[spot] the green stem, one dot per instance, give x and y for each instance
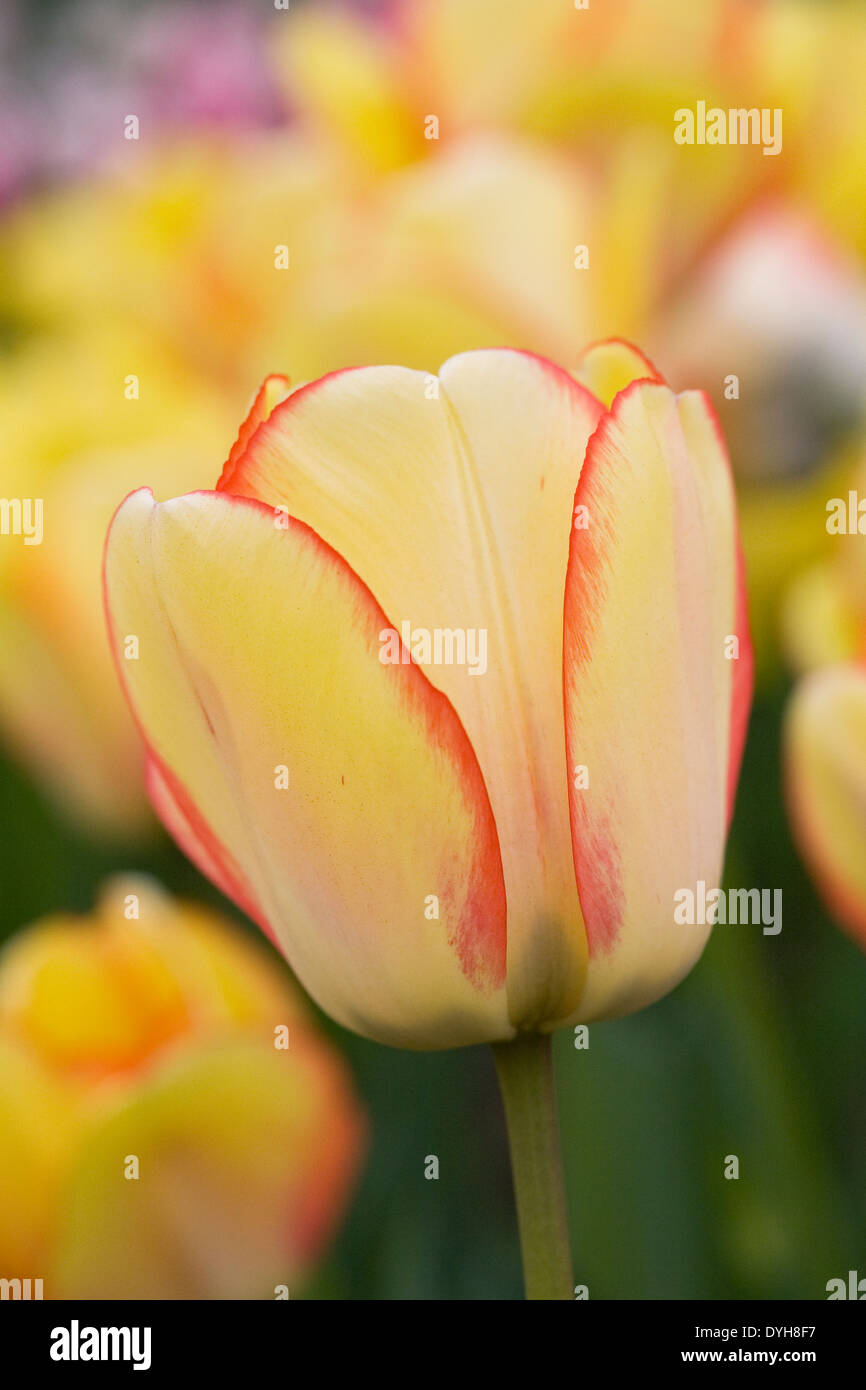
(525, 1070)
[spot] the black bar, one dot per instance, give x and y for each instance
(243, 1338)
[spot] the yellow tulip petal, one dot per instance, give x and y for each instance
(152, 1030)
(480, 63)
(440, 219)
(819, 626)
(38, 1129)
(244, 1162)
(825, 744)
(259, 667)
(655, 712)
(451, 497)
(96, 996)
(273, 390)
(607, 368)
(346, 78)
(224, 977)
(66, 994)
(60, 709)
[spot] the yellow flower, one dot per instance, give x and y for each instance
(353, 657)
(74, 429)
(589, 77)
(775, 322)
(824, 610)
(157, 1139)
(825, 745)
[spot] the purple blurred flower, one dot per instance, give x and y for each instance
(71, 78)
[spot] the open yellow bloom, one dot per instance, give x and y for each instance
(450, 849)
(171, 1124)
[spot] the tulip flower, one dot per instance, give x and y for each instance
(59, 709)
(787, 359)
(823, 618)
(448, 854)
(825, 757)
(590, 77)
(171, 1124)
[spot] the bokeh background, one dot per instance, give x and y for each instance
(309, 128)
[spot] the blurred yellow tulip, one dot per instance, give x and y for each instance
(825, 745)
(79, 413)
(589, 77)
(823, 616)
(171, 1123)
(774, 322)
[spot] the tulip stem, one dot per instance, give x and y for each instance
(525, 1070)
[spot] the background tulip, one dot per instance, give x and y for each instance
(57, 700)
(146, 1035)
(823, 618)
(786, 371)
(826, 754)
